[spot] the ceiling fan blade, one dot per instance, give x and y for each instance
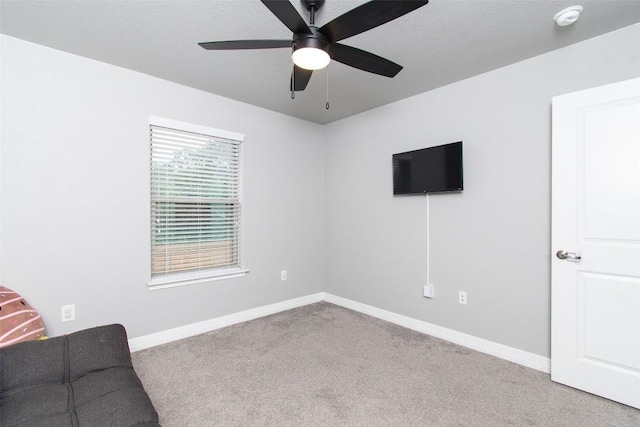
(246, 44)
(288, 15)
(300, 77)
(368, 16)
(363, 60)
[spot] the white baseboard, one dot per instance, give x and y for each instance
(511, 354)
(163, 337)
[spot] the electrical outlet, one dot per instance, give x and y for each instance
(283, 275)
(462, 297)
(68, 313)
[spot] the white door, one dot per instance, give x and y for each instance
(595, 301)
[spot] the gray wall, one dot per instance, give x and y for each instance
(75, 194)
(493, 239)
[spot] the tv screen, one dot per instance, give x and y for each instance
(429, 170)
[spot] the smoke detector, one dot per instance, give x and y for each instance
(567, 16)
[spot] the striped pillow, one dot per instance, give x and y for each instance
(18, 320)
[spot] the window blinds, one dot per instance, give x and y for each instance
(195, 202)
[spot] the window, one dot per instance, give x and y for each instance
(195, 203)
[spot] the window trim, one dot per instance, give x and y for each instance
(190, 127)
(194, 277)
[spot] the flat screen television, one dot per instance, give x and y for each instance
(429, 170)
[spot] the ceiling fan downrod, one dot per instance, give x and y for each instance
(312, 6)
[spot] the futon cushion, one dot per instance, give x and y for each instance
(82, 379)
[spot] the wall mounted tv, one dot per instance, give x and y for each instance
(429, 170)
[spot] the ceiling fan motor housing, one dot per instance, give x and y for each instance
(316, 40)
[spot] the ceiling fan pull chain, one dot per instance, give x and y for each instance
(327, 104)
(293, 83)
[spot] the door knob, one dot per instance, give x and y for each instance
(568, 256)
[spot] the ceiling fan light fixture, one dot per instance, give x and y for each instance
(310, 58)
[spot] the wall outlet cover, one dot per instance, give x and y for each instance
(68, 313)
(428, 291)
(462, 297)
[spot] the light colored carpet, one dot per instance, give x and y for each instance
(323, 365)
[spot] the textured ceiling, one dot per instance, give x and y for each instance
(440, 43)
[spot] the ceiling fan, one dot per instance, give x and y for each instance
(314, 47)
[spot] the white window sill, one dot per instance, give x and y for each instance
(193, 278)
